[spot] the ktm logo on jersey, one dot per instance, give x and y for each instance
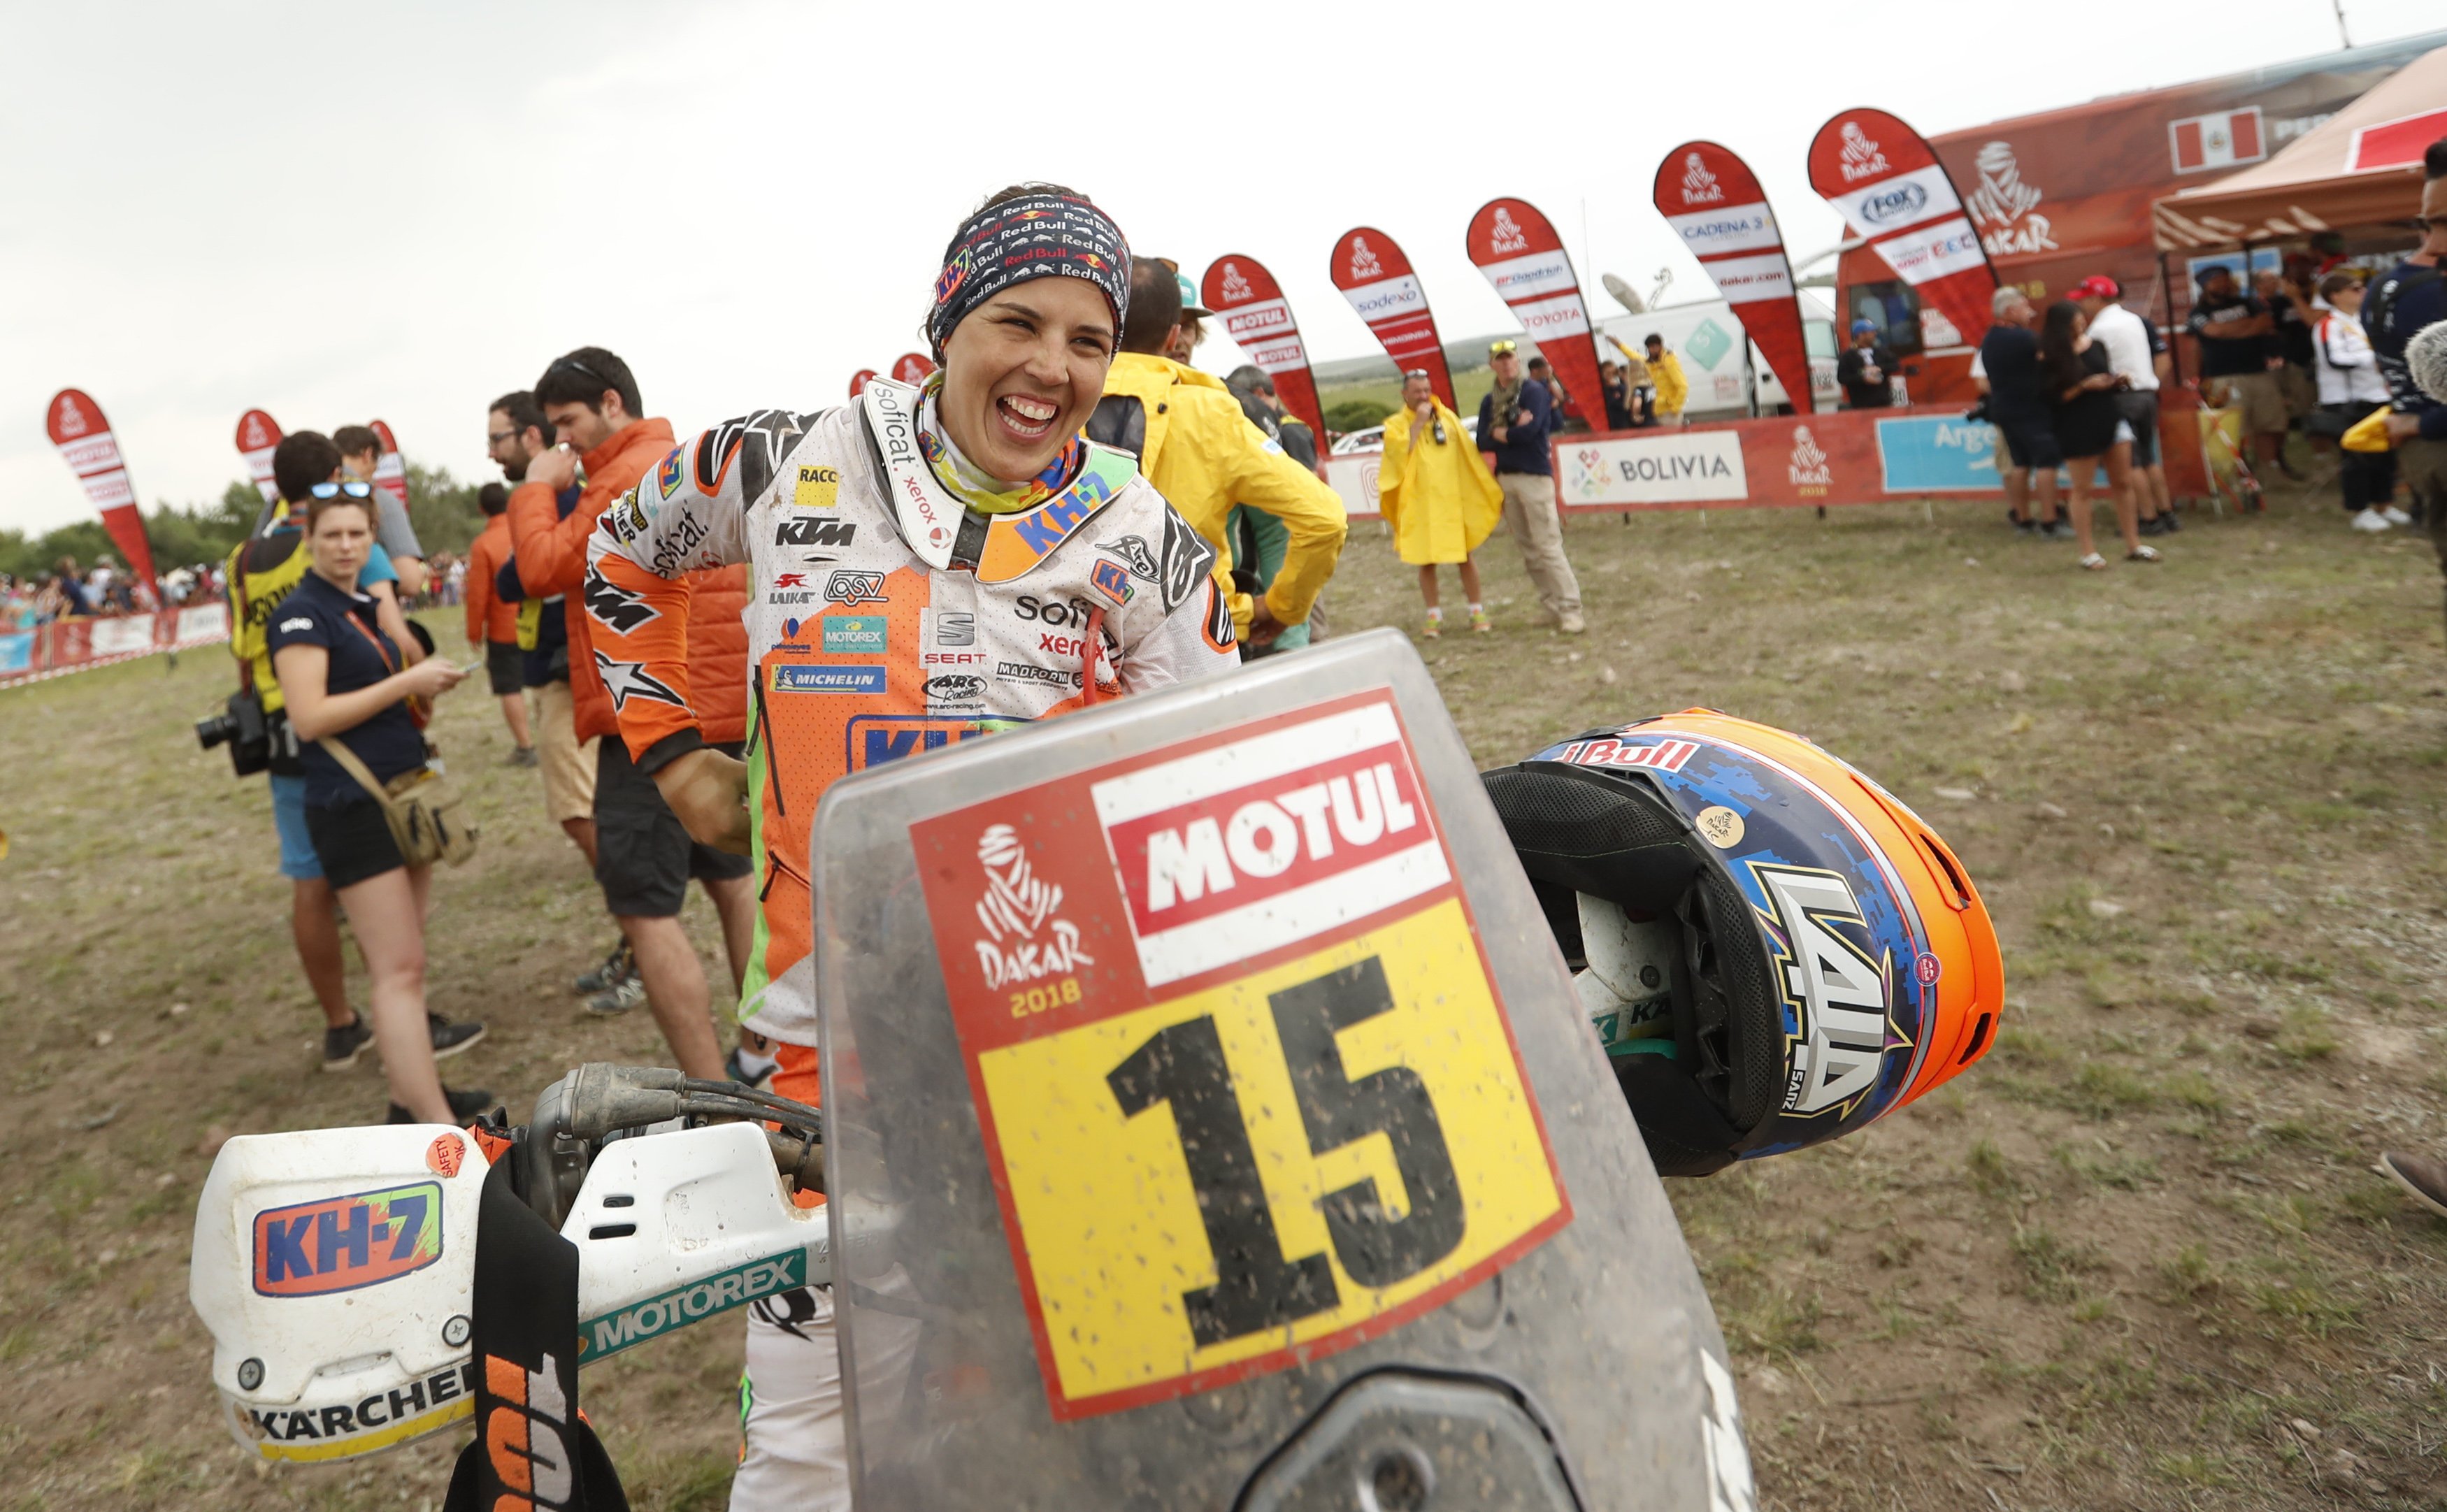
(802, 532)
(875, 739)
(616, 608)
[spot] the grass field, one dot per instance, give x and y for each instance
(2136, 1259)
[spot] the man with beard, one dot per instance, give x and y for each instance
(1514, 422)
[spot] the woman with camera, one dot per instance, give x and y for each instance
(342, 680)
(2090, 429)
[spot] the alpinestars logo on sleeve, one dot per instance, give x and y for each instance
(627, 680)
(1186, 559)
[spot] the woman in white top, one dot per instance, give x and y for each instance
(2351, 388)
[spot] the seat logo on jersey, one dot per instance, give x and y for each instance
(340, 1244)
(869, 681)
(951, 627)
(1840, 996)
(854, 588)
(616, 608)
(815, 532)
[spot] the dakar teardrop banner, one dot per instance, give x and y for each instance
(1375, 276)
(1515, 246)
(390, 468)
(858, 381)
(85, 440)
(259, 436)
(1713, 202)
(1884, 178)
(1260, 322)
(911, 367)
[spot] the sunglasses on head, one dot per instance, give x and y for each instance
(353, 488)
(1504, 349)
(1414, 372)
(576, 366)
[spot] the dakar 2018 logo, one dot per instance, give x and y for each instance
(1027, 940)
(1507, 235)
(2005, 208)
(1699, 187)
(1860, 157)
(1808, 470)
(1364, 266)
(1236, 288)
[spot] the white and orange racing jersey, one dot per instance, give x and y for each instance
(885, 617)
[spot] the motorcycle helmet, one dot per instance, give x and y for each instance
(1775, 949)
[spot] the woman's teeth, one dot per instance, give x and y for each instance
(1030, 417)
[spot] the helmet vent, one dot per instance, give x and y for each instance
(1958, 887)
(1979, 1041)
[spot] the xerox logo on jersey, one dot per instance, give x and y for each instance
(1239, 849)
(1657, 755)
(869, 681)
(340, 1244)
(800, 532)
(616, 608)
(854, 588)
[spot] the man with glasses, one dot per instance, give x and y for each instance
(643, 857)
(2409, 298)
(1515, 421)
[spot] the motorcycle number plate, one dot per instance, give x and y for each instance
(1246, 1084)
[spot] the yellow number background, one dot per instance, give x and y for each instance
(1105, 1206)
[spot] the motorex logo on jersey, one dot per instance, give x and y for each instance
(341, 1243)
(858, 632)
(657, 1315)
(863, 680)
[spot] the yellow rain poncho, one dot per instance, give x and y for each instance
(1437, 495)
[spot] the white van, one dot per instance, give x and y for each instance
(1708, 338)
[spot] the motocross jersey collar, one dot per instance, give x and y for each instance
(940, 530)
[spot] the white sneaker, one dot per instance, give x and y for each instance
(2370, 519)
(2395, 516)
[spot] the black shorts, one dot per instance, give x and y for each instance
(2139, 408)
(352, 840)
(2031, 442)
(643, 856)
(506, 665)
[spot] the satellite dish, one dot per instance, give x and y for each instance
(1623, 294)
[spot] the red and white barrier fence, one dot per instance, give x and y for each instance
(66, 646)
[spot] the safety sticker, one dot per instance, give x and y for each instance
(1246, 1080)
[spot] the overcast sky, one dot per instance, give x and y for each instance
(338, 212)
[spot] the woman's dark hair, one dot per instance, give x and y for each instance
(303, 459)
(492, 499)
(2057, 358)
(317, 509)
(580, 377)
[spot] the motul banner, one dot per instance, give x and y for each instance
(390, 468)
(85, 440)
(911, 367)
(64, 646)
(1714, 204)
(1375, 276)
(859, 379)
(259, 436)
(1260, 322)
(1516, 247)
(1884, 178)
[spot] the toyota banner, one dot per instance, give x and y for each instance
(1516, 247)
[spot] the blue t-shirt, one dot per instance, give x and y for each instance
(1523, 447)
(317, 613)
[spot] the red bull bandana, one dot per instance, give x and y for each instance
(1029, 238)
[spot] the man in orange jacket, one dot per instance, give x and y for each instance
(493, 621)
(643, 857)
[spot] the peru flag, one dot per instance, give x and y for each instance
(2225, 139)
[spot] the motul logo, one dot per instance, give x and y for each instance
(527, 1437)
(1699, 187)
(1234, 851)
(1364, 265)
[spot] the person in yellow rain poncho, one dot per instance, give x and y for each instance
(1433, 489)
(1202, 454)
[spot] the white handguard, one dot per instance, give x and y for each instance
(335, 1268)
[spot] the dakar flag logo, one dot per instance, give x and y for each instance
(1808, 469)
(71, 418)
(2005, 208)
(1861, 157)
(1509, 236)
(1699, 187)
(1364, 260)
(1236, 288)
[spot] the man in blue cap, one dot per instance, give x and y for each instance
(1864, 368)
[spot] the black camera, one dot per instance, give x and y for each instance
(244, 728)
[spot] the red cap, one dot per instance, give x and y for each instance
(2093, 287)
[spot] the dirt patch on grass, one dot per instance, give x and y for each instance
(2136, 1259)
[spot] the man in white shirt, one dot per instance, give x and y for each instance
(2141, 361)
